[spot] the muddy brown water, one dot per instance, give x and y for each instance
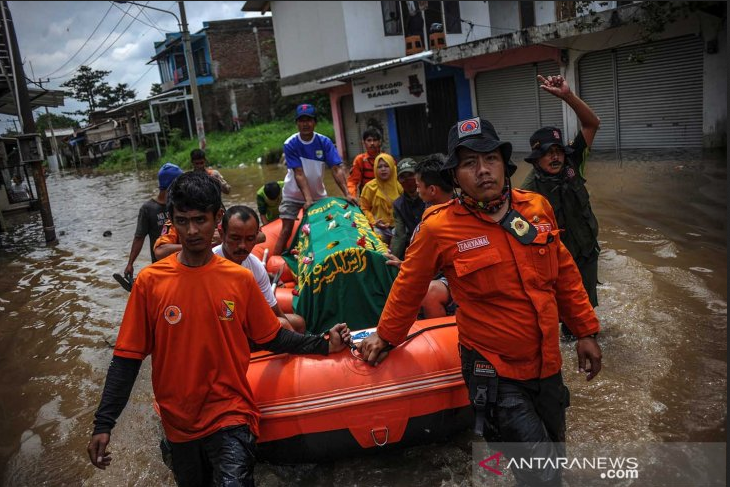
(663, 308)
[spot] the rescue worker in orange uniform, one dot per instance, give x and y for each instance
(513, 278)
(194, 313)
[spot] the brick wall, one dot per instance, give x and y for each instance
(239, 52)
(242, 70)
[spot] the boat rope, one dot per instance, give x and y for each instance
(353, 348)
(413, 335)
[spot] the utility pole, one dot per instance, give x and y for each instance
(54, 142)
(197, 110)
(34, 149)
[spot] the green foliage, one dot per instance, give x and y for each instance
(285, 107)
(89, 86)
(85, 86)
(116, 96)
(122, 160)
(155, 89)
(59, 121)
(224, 149)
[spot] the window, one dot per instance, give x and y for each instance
(433, 15)
(527, 15)
(392, 25)
(452, 17)
(201, 66)
(564, 10)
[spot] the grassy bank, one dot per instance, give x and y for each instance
(224, 149)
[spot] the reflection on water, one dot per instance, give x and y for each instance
(663, 306)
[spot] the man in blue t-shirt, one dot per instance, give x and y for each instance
(306, 153)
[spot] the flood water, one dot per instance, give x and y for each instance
(663, 308)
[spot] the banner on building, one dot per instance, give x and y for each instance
(395, 87)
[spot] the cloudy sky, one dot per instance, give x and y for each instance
(55, 38)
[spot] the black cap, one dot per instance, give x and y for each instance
(478, 135)
(544, 139)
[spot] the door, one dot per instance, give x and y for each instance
(424, 129)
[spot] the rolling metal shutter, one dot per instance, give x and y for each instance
(512, 100)
(660, 99)
(653, 104)
(596, 76)
(551, 108)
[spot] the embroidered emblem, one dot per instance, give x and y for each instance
(520, 226)
(319, 153)
(173, 315)
(227, 308)
(544, 227)
(469, 127)
(570, 172)
(556, 134)
(472, 243)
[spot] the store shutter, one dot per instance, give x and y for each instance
(551, 108)
(660, 98)
(596, 80)
(510, 98)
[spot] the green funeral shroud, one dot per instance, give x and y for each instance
(339, 281)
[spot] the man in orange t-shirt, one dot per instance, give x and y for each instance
(363, 165)
(194, 313)
(513, 278)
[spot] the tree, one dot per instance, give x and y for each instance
(114, 97)
(155, 89)
(59, 121)
(86, 86)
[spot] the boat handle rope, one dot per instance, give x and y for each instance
(353, 349)
(372, 433)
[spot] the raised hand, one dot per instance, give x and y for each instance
(555, 85)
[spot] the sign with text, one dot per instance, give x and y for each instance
(150, 128)
(404, 85)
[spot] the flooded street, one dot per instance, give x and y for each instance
(663, 309)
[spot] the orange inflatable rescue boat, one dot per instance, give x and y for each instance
(316, 408)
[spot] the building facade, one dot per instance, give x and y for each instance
(236, 72)
(482, 58)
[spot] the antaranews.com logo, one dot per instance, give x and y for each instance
(617, 468)
(600, 464)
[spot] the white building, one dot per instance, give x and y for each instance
(670, 93)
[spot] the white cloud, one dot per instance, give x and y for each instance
(49, 33)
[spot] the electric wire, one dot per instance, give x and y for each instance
(82, 46)
(64, 75)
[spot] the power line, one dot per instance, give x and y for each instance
(153, 22)
(135, 18)
(145, 74)
(83, 45)
(84, 62)
(118, 37)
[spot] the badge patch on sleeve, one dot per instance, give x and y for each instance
(483, 368)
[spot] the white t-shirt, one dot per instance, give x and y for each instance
(258, 270)
(312, 157)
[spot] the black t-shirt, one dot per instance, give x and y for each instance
(150, 220)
